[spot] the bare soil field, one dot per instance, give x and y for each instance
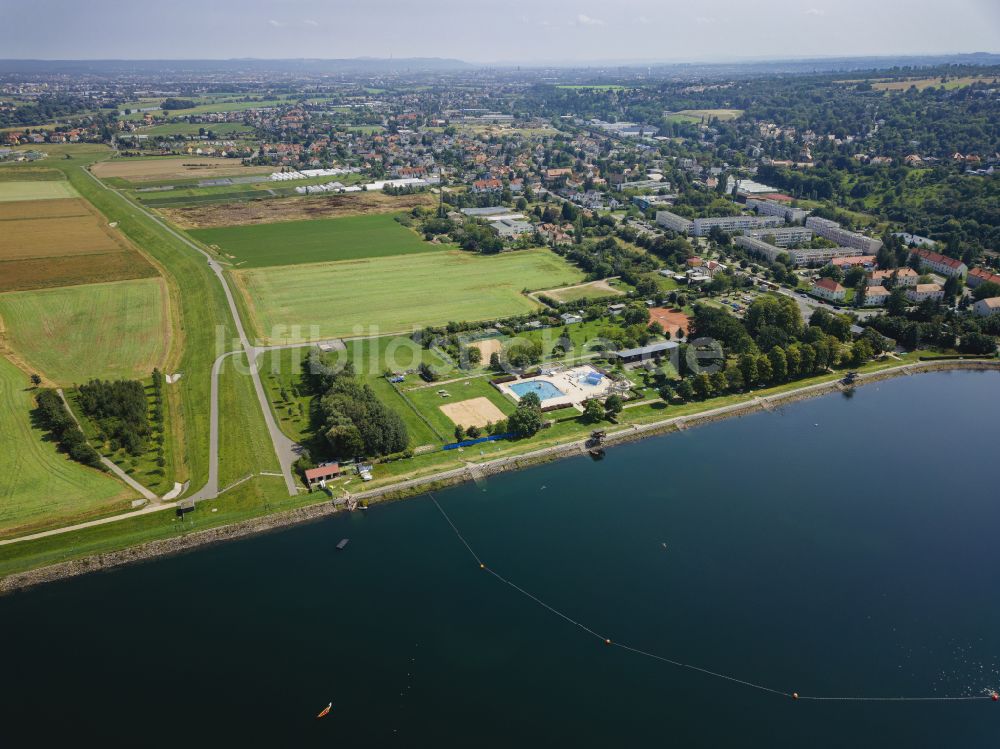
(44, 233)
(59, 208)
(54, 237)
(45, 243)
(475, 412)
(487, 347)
(165, 169)
(266, 211)
(44, 273)
(672, 320)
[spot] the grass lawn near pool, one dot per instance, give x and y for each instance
(296, 303)
(39, 189)
(76, 333)
(314, 241)
(40, 487)
(429, 402)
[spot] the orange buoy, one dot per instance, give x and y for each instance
(795, 695)
(995, 696)
(482, 566)
(607, 642)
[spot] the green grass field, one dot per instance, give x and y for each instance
(194, 288)
(74, 333)
(315, 241)
(244, 444)
(40, 487)
(281, 372)
(39, 189)
(394, 294)
(429, 403)
(697, 115)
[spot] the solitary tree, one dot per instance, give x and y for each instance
(36, 380)
(613, 405)
(592, 412)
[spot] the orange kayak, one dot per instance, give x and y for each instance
(325, 711)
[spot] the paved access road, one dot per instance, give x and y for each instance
(286, 450)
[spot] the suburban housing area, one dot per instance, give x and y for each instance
(226, 293)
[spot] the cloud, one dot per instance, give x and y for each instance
(704, 20)
(276, 24)
(582, 20)
(310, 22)
(815, 12)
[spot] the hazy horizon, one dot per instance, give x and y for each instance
(551, 32)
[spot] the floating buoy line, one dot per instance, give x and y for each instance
(991, 695)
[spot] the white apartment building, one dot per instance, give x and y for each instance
(946, 266)
(987, 307)
(702, 226)
(876, 296)
(672, 221)
(836, 233)
(782, 236)
(774, 208)
(829, 289)
(923, 291)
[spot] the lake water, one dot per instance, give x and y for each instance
(839, 546)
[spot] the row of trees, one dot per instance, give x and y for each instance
(53, 416)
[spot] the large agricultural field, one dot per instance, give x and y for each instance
(290, 209)
(398, 293)
(173, 168)
(40, 487)
(72, 334)
(61, 241)
(39, 189)
(316, 241)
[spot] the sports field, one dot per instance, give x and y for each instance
(72, 334)
(39, 486)
(469, 402)
(41, 189)
(323, 240)
(171, 168)
(397, 293)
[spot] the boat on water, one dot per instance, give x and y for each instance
(325, 711)
(343, 543)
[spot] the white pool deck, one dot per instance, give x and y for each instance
(570, 382)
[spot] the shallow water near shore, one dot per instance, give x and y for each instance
(837, 546)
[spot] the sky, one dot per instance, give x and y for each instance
(515, 31)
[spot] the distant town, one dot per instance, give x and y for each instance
(229, 292)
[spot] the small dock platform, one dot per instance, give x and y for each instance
(343, 542)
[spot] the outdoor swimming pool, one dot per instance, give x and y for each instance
(543, 388)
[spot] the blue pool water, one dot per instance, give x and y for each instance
(544, 388)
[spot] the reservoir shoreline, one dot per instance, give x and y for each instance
(473, 471)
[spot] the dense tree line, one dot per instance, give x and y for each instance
(771, 345)
(174, 103)
(53, 416)
(45, 109)
(355, 422)
(121, 412)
